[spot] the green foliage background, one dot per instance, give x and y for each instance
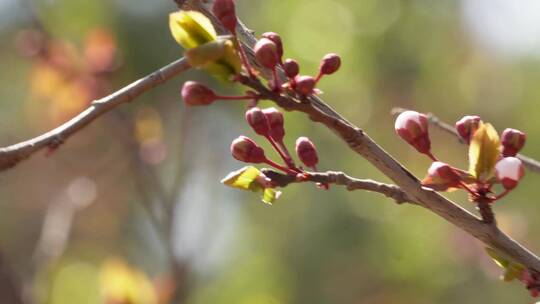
(313, 246)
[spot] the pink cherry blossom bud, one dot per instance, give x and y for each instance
(225, 12)
(412, 127)
(330, 64)
(466, 127)
(441, 176)
(258, 121)
(266, 53)
(304, 85)
(276, 122)
(291, 67)
(197, 94)
(307, 152)
(509, 170)
(512, 141)
(246, 150)
(277, 40)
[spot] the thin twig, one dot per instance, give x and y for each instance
(529, 163)
(12, 155)
(341, 179)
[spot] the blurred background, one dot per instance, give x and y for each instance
(130, 210)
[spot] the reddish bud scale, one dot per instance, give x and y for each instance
(258, 121)
(197, 94)
(274, 37)
(466, 127)
(512, 141)
(304, 85)
(266, 53)
(307, 152)
(246, 150)
(276, 123)
(330, 64)
(509, 172)
(225, 12)
(412, 127)
(442, 175)
(291, 68)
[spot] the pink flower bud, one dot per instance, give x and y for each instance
(509, 171)
(266, 53)
(277, 40)
(330, 64)
(246, 150)
(413, 128)
(512, 141)
(225, 12)
(304, 85)
(276, 122)
(466, 127)
(307, 152)
(197, 94)
(441, 177)
(291, 68)
(258, 121)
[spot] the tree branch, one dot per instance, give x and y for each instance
(361, 143)
(12, 155)
(342, 179)
(529, 163)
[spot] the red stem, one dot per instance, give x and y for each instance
(277, 87)
(287, 158)
(503, 194)
(280, 167)
(242, 97)
(431, 156)
(319, 76)
(243, 57)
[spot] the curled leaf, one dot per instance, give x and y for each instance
(484, 152)
(250, 178)
(512, 270)
(191, 29)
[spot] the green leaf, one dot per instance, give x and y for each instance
(512, 270)
(484, 152)
(270, 196)
(244, 179)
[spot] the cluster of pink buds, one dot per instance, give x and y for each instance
(269, 54)
(532, 282)
(269, 123)
(491, 160)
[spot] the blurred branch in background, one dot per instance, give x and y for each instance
(12, 155)
(9, 287)
(530, 163)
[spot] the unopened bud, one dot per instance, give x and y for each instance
(509, 171)
(197, 94)
(266, 53)
(466, 127)
(258, 121)
(307, 152)
(330, 64)
(225, 12)
(291, 68)
(277, 40)
(412, 127)
(275, 121)
(441, 177)
(304, 85)
(512, 141)
(246, 150)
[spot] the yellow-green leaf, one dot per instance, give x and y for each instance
(270, 195)
(512, 270)
(243, 179)
(484, 151)
(191, 29)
